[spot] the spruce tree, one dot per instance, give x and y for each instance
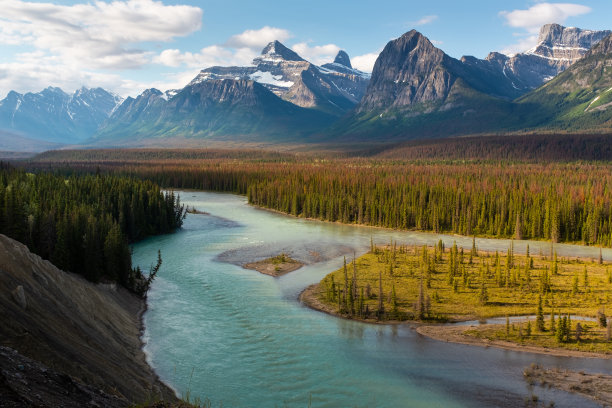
(540, 316)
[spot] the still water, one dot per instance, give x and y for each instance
(242, 339)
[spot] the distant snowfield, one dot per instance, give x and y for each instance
(268, 78)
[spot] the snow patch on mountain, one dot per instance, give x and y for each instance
(267, 78)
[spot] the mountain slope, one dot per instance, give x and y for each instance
(54, 116)
(416, 90)
(88, 331)
(218, 109)
(558, 48)
(334, 88)
(580, 97)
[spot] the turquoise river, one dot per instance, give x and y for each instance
(242, 339)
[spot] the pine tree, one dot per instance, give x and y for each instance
(560, 333)
(381, 306)
(575, 285)
(540, 316)
(528, 328)
(507, 326)
(394, 302)
(552, 322)
(484, 296)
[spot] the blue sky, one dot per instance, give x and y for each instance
(129, 45)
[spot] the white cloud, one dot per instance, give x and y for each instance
(207, 57)
(364, 62)
(74, 45)
(425, 20)
(96, 35)
(319, 54)
(239, 49)
(258, 39)
(532, 19)
(543, 13)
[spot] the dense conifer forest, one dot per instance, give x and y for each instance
(84, 223)
(557, 201)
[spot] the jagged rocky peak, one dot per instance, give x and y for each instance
(410, 54)
(343, 59)
(147, 93)
(603, 47)
(566, 43)
(275, 51)
(557, 35)
(409, 70)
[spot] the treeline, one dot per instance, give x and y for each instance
(562, 202)
(84, 224)
(531, 148)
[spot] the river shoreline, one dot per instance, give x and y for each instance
(445, 233)
(448, 332)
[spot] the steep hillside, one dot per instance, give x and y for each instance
(579, 98)
(219, 109)
(87, 331)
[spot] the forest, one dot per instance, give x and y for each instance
(558, 201)
(85, 223)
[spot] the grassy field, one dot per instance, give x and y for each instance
(445, 284)
(593, 338)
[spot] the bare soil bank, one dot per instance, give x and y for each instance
(597, 387)
(455, 334)
(90, 332)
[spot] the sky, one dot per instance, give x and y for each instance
(126, 46)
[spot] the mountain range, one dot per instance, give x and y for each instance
(415, 91)
(54, 116)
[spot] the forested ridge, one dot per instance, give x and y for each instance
(558, 201)
(84, 223)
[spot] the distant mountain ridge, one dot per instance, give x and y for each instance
(224, 109)
(418, 91)
(55, 116)
(281, 97)
(415, 91)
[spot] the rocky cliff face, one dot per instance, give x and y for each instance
(409, 70)
(558, 48)
(74, 327)
(412, 74)
(581, 96)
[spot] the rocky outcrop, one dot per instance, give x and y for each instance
(604, 47)
(581, 96)
(342, 58)
(26, 383)
(558, 48)
(409, 70)
(76, 328)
